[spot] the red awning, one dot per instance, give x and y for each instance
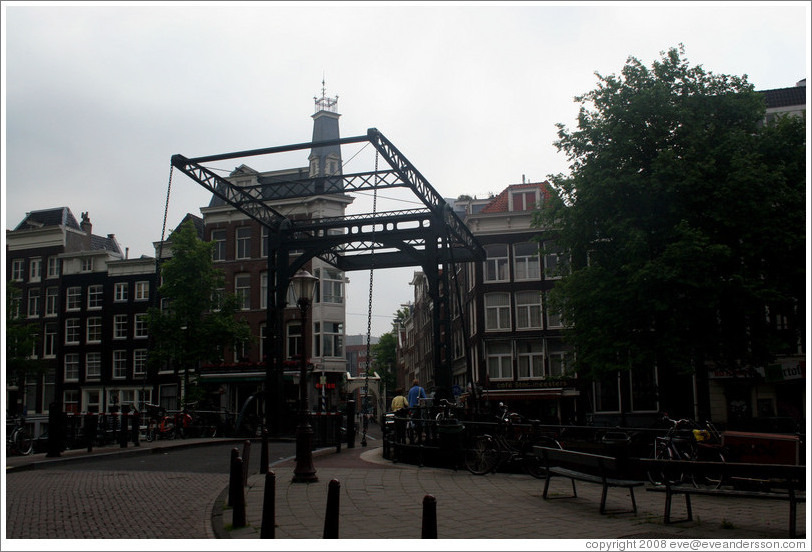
(527, 394)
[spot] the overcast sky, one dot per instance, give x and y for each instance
(97, 98)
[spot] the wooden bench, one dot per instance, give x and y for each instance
(776, 482)
(583, 466)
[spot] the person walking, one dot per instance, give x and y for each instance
(415, 394)
(400, 406)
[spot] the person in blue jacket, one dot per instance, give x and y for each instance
(415, 427)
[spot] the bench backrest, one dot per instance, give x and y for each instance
(783, 472)
(571, 458)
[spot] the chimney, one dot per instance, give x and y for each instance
(87, 228)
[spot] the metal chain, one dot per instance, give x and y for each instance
(369, 310)
(163, 227)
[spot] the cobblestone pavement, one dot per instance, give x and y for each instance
(56, 503)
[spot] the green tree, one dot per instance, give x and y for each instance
(21, 339)
(684, 218)
(199, 323)
(384, 358)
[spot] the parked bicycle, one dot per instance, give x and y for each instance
(687, 440)
(18, 441)
(509, 443)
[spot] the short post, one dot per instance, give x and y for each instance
(246, 455)
(238, 506)
(135, 420)
(263, 453)
(337, 429)
(268, 530)
(350, 424)
(429, 517)
(91, 429)
(331, 516)
(235, 454)
(122, 428)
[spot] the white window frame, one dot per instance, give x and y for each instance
(120, 330)
(218, 250)
(87, 264)
(139, 363)
(264, 244)
(121, 292)
(140, 328)
(18, 270)
(93, 362)
(49, 340)
(293, 339)
(596, 394)
(529, 309)
(518, 200)
(53, 267)
(242, 242)
(33, 302)
(93, 329)
(71, 367)
(51, 301)
(243, 291)
(95, 296)
(331, 286)
(562, 356)
(497, 311)
(526, 266)
(35, 269)
(329, 339)
(119, 364)
(70, 398)
(142, 290)
(552, 319)
(73, 299)
(499, 362)
(497, 263)
(263, 290)
(73, 331)
(530, 363)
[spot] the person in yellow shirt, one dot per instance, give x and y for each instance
(400, 406)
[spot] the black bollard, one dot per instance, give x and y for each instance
(135, 419)
(429, 518)
(123, 428)
(91, 430)
(350, 424)
(268, 530)
(337, 420)
(246, 455)
(263, 453)
(331, 516)
(235, 486)
(56, 429)
(235, 454)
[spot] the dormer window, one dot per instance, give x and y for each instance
(314, 167)
(523, 201)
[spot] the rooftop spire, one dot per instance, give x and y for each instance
(324, 103)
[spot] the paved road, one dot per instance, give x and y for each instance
(163, 495)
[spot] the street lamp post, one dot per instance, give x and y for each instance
(303, 285)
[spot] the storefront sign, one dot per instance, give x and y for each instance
(543, 384)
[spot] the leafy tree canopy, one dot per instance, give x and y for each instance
(684, 217)
(21, 340)
(200, 322)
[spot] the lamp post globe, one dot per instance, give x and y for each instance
(303, 286)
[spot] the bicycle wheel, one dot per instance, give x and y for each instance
(534, 465)
(712, 478)
(23, 443)
(481, 457)
(671, 476)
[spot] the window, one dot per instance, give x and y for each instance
(262, 342)
(139, 363)
(93, 366)
(142, 291)
(72, 367)
(95, 296)
(140, 329)
(15, 308)
(263, 290)
(18, 270)
(74, 299)
(51, 300)
(497, 311)
(294, 340)
(331, 289)
(33, 303)
(523, 201)
(218, 251)
(242, 289)
(264, 244)
(49, 345)
(92, 400)
(87, 264)
(243, 236)
(35, 269)
(94, 329)
(528, 310)
(555, 263)
(168, 396)
(607, 392)
(53, 267)
(558, 364)
(526, 261)
(70, 398)
(499, 360)
(119, 364)
(530, 359)
(72, 333)
(120, 326)
(329, 339)
(120, 292)
(496, 264)
(553, 317)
